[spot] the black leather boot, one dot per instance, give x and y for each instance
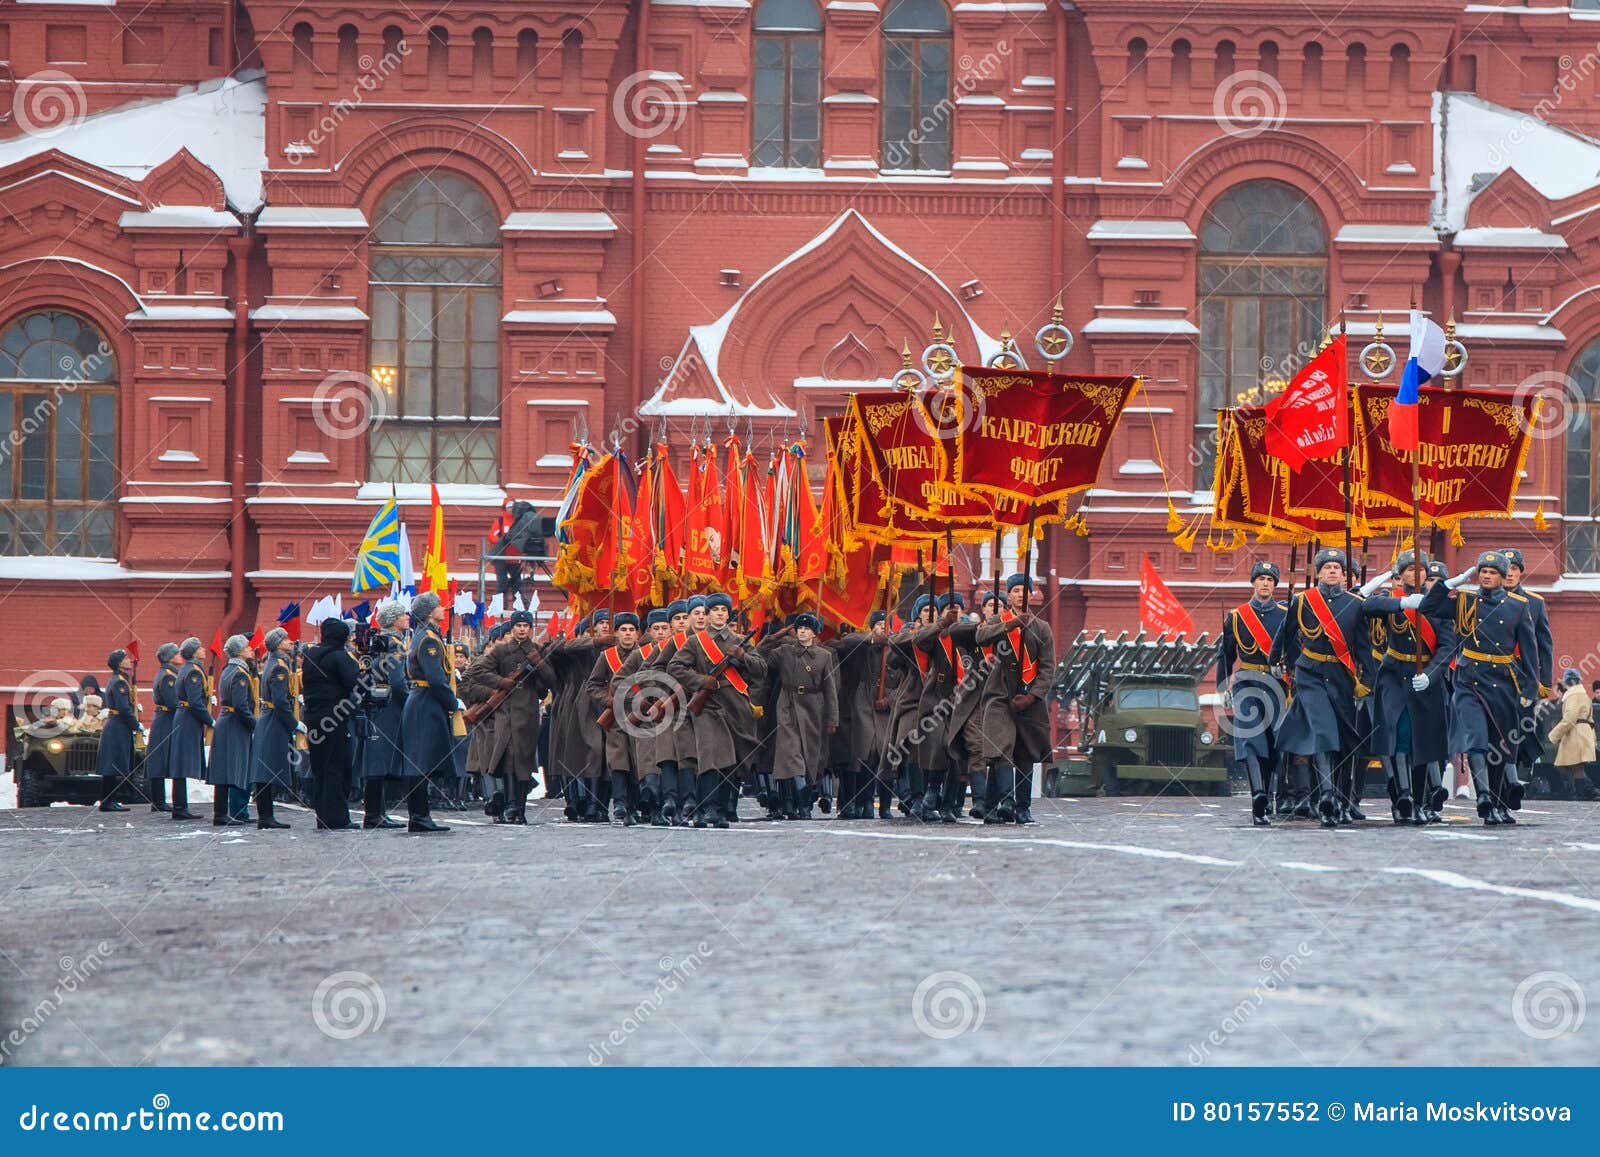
(1258, 810)
(706, 798)
(980, 795)
(158, 795)
(374, 809)
(1025, 797)
(1003, 778)
(420, 821)
(266, 818)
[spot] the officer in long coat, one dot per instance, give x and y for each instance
(1015, 715)
(806, 711)
(186, 752)
(1530, 749)
(576, 752)
(426, 731)
(1496, 678)
(1324, 643)
(509, 738)
(229, 769)
(630, 697)
(1253, 697)
(661, 718)
(379, 723)
(114, 760)
(272, 746)
(950, 695)
(868, 685)
(716, 659)
(158, 748)
(626, 778)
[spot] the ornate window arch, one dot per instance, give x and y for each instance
(435, 277)
(58, 401)
(1581, 504)
(916, 85)
(1263, 295)
(787, 126)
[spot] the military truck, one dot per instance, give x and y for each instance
(53, 763)
(1140, 728)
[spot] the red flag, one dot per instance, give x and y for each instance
(1159, 608)
(1311, 419)
(133, 649)
(258, 640)
(754, 565)
(216, 643)
(701, 558)
(727, 515)
(671, 521)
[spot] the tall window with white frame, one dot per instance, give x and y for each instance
(1580, 511)
(1263, 301)
(435, 277)
(916, 85)
(787, 126)
(58, 465)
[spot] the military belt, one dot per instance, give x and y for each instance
(1480, 657)
(1393, 654)
(1254, 667)
(161, 708)
(418, 682)
(1318, 658)
(225, 711)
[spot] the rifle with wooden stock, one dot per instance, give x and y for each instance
(481, 711)
(709, 682)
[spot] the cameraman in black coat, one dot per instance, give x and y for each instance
(329, 676)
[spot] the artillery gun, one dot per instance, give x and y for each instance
(1140, 727)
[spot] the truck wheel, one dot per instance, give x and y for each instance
(30, 788)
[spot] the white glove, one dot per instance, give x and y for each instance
(460, 706)
(1410, 602)
(1420, 682)
(300, 727)
(1462, 579)
(213, 701)
(1376, 584)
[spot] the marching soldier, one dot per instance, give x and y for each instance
(715, 660)
(427, 723)
(1014, 717)
(942, 747)
(1251, 694)
(1496, 677)
(381, 761)
(1530, 749)
(229, 769)
(186, 752)
(909, 666)
(158, 755)
(869, 682)
(575, 749)
(629, 698)
(1320, 643)
(272, 746)
(114, 760)
(619, 751)
(806, 710)
(510, 736)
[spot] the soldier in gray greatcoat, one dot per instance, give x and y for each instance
(229, 769)
(114, 760)
(806, 710)
(272, 747)
(158, 748)
(950, 693)
(717, 660)
(426, 739)
(383, 709)
(186, 750)
(659, 717)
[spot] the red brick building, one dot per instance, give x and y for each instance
(260, 261)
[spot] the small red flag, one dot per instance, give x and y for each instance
(1311, 418)
(133, 649)
(258, 640)
(216, 643)
(1159, 608)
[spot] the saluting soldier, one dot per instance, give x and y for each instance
(186, 753)
(806, 711)
(1251, 694)
(1015, 717)
(272, 746)
(510, 747)
(1530, 748)
(158, 754)
(868, 685)
(114, 760)
(1496, 678)
(381, 755)
(619, 751)
(716, 660)
(229, 770)
(428, 722)
(1323, 644)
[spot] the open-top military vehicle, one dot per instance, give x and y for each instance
(1140, 726)
(55, 760)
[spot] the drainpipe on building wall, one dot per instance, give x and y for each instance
(239, 247)
(230, 53)
(636, 210)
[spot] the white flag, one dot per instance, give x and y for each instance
(408, 574)
(464, 604)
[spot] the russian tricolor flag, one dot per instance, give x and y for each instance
(1424, 364)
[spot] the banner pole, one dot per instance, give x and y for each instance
(1027, 564)
(1349, 562)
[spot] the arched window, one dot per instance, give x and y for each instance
(916, 85)
(1311, 74)
(1182, 63)
(304, 64)
(1399, 69)
(1224, 67)
(571, 59)
(1269, 57)
(58, 400)
(349, 52)
(527, 55)
(1581, 508)
(482, 55)
(787, 129)
(436, 332)
(438, 55)
(1356, 69)
(1263, 298)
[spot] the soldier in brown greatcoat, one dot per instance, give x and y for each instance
(908, 671)
(1012, 711)
(718, 661)
(868, 686)
(510, 752)
(576, 753)
(948, 698)
(619, 752)
(632, 697)
(806, 708)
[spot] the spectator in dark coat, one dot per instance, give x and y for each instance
(329, 676)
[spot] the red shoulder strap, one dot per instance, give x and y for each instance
(1252, 623)
(1330, 627)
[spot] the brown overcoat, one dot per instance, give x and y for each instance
(806, 706)
(725, 730)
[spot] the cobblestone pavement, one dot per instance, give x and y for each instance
(1113, 932)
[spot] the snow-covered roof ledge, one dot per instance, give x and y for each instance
(707, 408)
(310, 217)
(1478, 139)
(312, 312)
(567, 318)
(421, 493)
(54, 569)
(1107, 230)
(178, 217)
(1165, 326)
(1508, 237)
(560, 221)
(1386, 235)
